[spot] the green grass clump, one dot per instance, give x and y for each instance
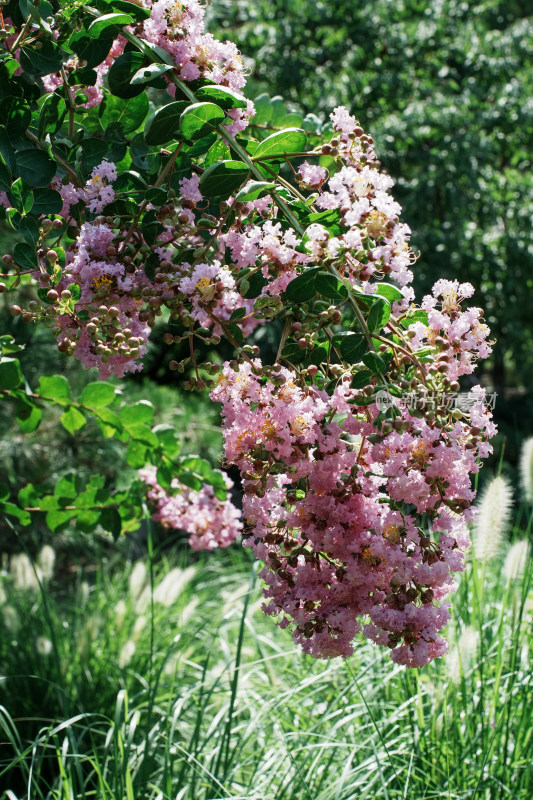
(167, 681)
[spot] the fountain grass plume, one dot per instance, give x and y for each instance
(494, 511)
(526, 469)
(516, 560)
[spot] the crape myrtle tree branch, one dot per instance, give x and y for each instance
(131, 208)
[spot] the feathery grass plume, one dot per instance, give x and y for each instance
(172, 585)
(46, 561)
(526, 469)
(10, 619)
(138, 580)
(494, 511)
(25, 574)
(126, 653)
(84, 594)
(460, 658)
(43, 645)
(516, 560)
(120, 613)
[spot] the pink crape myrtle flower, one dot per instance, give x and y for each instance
(210, 522)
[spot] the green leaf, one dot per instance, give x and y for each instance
(16, 115)
(84, 76)
(97, 394)
(222, 96)
(157, 197)
(21, 196)
(352, 347)
(137, 12)
(28, 416)
(137, 414)
(59, 518)
(72, 420)
(256, 284)
(27, 496)
(150, 73)
(219, 151)
(378, 315)
(145, 157)
(374, 362)
(254, 190)
(223, 178)
(111, 521)
(108, 421)
(10, 373)
(302, 288)
(24, 517)
(235, 332)
(416, 316)
(46, 201)
(151, 227)
(6, 151)
(330, 286)
(54, 387)
(90, 153)
(238, 314)
(137, 454)
(164, 125)
(25, 256)
(121, 73)
(281, 144)
(75, 291)
(101, 23)
(291, 352)
(167, 438)
(5, 177)
(92, 51)
(29, 230)
(389, 292)
(35, 167)
(263, 110)
(195, 471)
(361, 378)
(199, 119)
(51, 115)
(68, 486)
(49, 58)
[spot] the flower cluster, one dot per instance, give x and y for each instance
(326, 511)
(359, 512)
(210, 522)
(178, 27)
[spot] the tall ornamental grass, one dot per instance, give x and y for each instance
(166, 681)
